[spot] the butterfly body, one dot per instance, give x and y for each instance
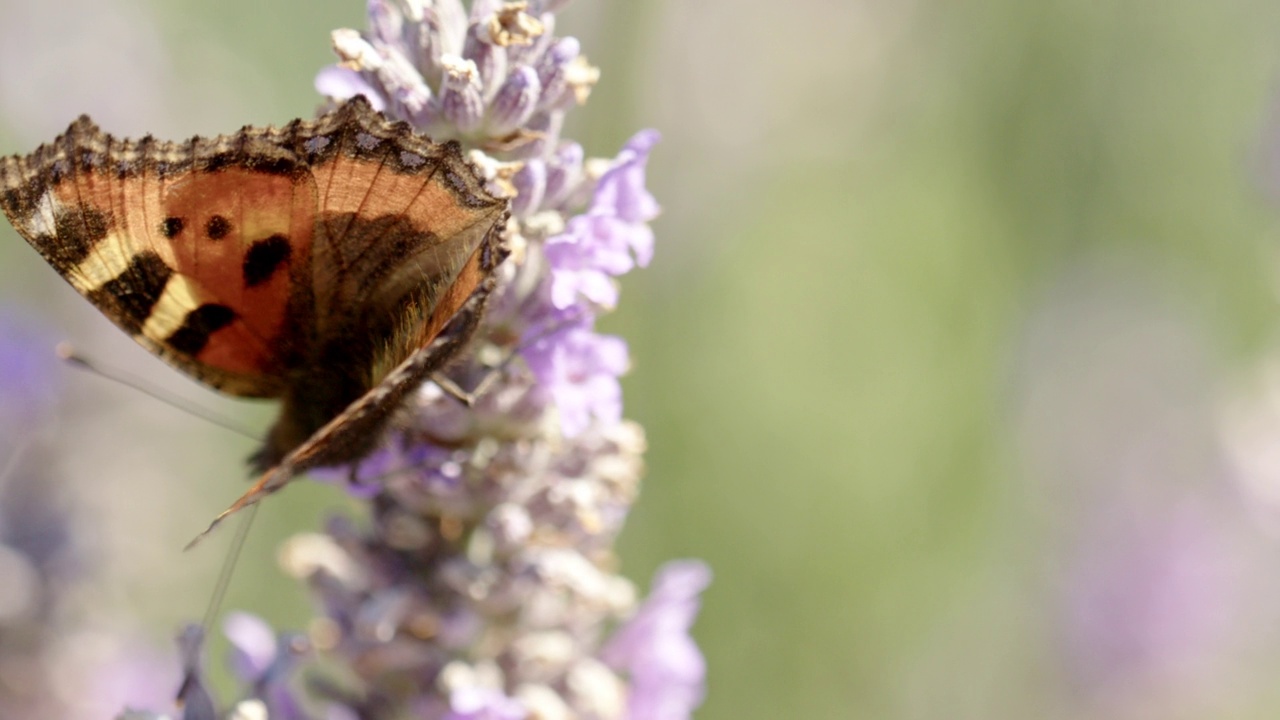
(320, 263)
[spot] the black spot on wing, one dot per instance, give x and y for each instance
(135, 291)
(58, 171)
(76, 232)
(15, 202)
(264, 258)
(127, 167)
(171, 226)
(198, 326)
(217, 228)
(169, 167)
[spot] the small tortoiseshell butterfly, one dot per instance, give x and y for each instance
(320, 263)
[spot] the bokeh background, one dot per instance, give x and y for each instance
(959, 358)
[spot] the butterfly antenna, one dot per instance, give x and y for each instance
(69, 355)
(228, 568)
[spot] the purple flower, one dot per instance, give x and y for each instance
(621, 191)
(530, 182)
(477, 703)
(564, 176)
(128, 675)
(479, 76)
(580, 369)
(266, 663)
(341, 82)
(515, 102)
(253, 645)
(27, 371)
(576, 275)
(461, 95)
(654, 647)
(1151, 592)
(193, 695)
(612, 237)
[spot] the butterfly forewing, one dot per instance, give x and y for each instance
(151, 242)
(316, 262)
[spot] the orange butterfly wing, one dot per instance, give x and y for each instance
(316, 262)
(162, 246)
(234, 258)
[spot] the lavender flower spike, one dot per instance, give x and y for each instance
(489, 582)
(484, 586)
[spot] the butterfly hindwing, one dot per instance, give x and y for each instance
(394, 210)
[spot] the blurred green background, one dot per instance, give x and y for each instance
(953, 357)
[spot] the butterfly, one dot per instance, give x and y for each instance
(333, 264)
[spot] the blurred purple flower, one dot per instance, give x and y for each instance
(1150, 596)
(474, 703)
(253, 646)
(68, 669)
(339, 81)
(27, 372)
(580, 369)
(266, 663)
(40, 561)
(120, 675)
(34, 520)
(193, 695)
(666, 670)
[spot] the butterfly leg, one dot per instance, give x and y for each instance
(455, 391)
